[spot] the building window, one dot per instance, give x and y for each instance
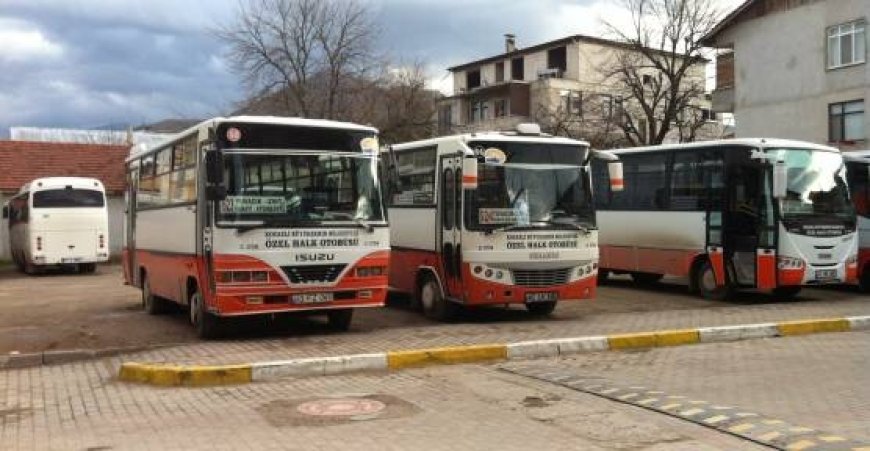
(572, 102)
(478, 111)
(500, 108)
(445, 117)
(846, 44)
(472, 79)
(557, 59)
(518, 69)
(499, 72)
(846, 121)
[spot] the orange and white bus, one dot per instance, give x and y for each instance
(493, 218)
(258, 216)
(766, 214)
(858, 175)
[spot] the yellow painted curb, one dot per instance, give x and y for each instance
(448, 355)
(654, 339)
(813, 326)
(193, 376)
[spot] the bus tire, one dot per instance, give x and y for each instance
(541, 308)
(786, 293)
(433, 303)
(705, 281)
(340, 319)
(646, 278)
(87, 268)
(152, 304)
(206, 325)
(864, 280)
(603, 275)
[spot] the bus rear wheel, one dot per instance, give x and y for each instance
(705, 282)
(864, 280)
(340, 319)
(433, 303)
(207, 325)
(87, 268)
(541, 308)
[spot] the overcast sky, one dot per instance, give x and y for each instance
(89, 63)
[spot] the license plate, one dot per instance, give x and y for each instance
(70, 260)
(311, 298)
(826, 274)
(547, 296)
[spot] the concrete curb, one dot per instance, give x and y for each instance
(192, 376)
(31, 359)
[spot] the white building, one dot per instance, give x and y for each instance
(795, 69)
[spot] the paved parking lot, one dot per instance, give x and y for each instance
(82, 311)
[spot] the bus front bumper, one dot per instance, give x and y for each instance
(257, 302)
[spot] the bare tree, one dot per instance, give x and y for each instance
(304, 49)
(660, 70)
(595, 118)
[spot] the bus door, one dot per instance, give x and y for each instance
(768, 234)
(744, 218)
(716, 199)
(130, 229)
(450, 210)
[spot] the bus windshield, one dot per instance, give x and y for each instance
(68, 198)
(301, 189)
(530, 185)
(816, 185)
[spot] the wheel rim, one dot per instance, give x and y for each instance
(428, 296)
(195, 300)
(708, 280)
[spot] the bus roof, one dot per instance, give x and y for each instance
(490, 136)
(138, 151)
(62, 182)
(741, 142)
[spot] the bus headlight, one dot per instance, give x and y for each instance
(789, 263)
(371, 271)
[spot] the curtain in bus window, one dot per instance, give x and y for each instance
(856, 177)
(600, 184)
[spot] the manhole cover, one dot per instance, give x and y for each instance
(342, 407)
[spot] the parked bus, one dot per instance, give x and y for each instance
(773, 215)
(59, 221)
(858, 173)
(493, 218)
(258, 216)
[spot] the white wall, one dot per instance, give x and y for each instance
(782, 85)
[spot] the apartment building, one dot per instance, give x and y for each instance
(563, 80)
(795, 69)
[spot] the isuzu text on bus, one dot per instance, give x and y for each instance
(773, 215)
(258, 215)
(493, 219)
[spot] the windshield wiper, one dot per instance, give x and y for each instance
(507, 228)
(573, 226)
(247, 227)
(364, 225)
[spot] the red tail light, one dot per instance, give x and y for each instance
(102, 241)
(39, 243)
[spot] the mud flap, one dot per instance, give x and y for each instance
(765, 269)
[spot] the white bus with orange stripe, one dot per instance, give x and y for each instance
(493, 218)
(258, 216)
(858, 175)
(765, 214)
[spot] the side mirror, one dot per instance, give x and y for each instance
(614, 170)
(780, 180)
(469, 172)
(5, 212)
(214, 168)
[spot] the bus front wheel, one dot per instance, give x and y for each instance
(786, 293)
(705, 281)
(207, 325)
(646, 278)
(433, 303)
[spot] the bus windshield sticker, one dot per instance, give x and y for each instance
(254, 205)
(369, 145)
(497, 216)
(494, 155)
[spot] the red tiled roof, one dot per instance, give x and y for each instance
(23, 161)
